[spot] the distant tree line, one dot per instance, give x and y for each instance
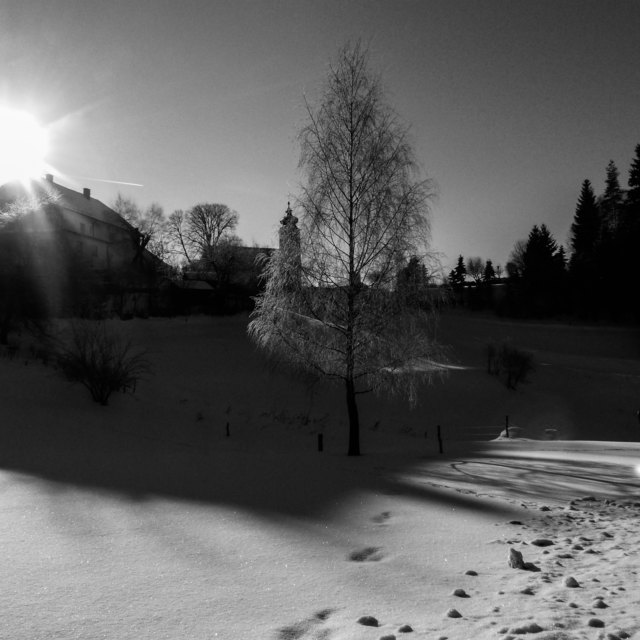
(198, 243)
(594, 280)
(194, 239)
(43, 275)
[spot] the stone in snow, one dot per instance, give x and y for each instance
(595, 622)
(533, 627)
(461, 593)
(405, 628)
(368, 621)
(571, 582)
(542, 542)
(453, 613)
(516, 561)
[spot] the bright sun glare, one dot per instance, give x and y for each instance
(23, 146)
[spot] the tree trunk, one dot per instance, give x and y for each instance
(354, 420)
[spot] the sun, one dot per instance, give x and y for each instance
(23, 146)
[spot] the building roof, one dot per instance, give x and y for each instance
(65, 198)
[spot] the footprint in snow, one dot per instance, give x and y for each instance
(382, 518)
(367, 554)
(308, 628)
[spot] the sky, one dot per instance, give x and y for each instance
(511, 104)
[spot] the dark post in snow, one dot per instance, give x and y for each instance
(320, 443)
(439, 440)
(228, 432)
(506, 427)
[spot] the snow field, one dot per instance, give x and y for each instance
(143, 520)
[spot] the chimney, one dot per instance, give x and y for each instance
(49, 177)
(87, 193)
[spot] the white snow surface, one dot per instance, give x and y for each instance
(143, 520)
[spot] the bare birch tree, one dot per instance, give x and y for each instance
(475, 268)
(330, 304)
(176, 233)
(149, 225)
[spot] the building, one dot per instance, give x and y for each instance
(78, 250)
(92, 230)
(232, 280)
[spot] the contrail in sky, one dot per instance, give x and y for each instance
(130, 184)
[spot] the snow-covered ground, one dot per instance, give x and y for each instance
(144, 520)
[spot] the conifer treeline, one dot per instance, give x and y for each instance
(598, 280)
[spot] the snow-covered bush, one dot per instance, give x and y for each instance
(100, 360)
(513, 365)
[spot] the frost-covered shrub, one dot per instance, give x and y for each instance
(493, 362)
(511, 364)
(100, 360)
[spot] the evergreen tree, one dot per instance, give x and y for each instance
(629, 239)
(585, 248)
(489, 272)
(561, 284)
(541, 276)
(585, 237)
(585, 230)
(613, 241)
(561, 260)
(612, 199)
(458, 275)
(631, 218)
(633, 195)
(539, 254)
